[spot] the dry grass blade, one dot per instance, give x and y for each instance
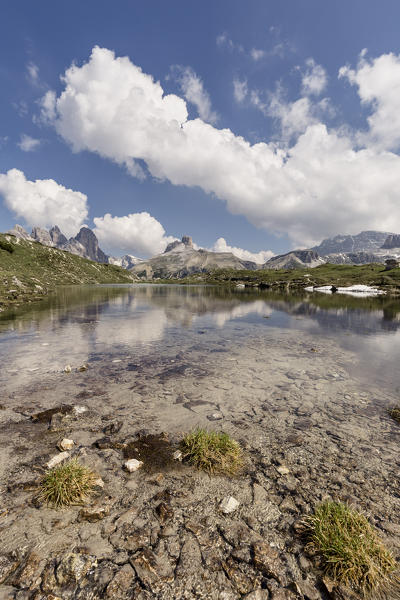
(211, 451)
(350, 549)
(70, 483)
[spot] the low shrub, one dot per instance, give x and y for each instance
(4, 245)
(69, 483)
(350, 549)
(214, 452)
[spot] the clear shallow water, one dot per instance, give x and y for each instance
(91, 323)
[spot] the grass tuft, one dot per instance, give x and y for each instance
(395, 413)
(350, 549)
(70, 483)
(211, 451)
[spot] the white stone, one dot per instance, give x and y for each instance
(57, 459)
(132, 465)
(229, 505)
(79, 410)
(98, 483)
(177, 455)
(283, 470)
(67, 369)
(66, 444)
(217, 416)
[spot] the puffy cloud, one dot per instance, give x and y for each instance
(43, 202)
(33, 73)
(194, 92)
(294, 117)
(28, 143)
(257, 257)
(319, 185)
(314, 79)
(257, 54)
(240, 89)
(137, 233)
(378, 82)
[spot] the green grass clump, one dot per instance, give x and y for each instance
(211, 451)
(350, 549)
(395, 413)
(70, 483)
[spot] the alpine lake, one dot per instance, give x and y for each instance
(303, 382)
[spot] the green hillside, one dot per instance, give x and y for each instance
(29, 271)
(328, 274)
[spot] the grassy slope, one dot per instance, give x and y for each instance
(338, 275)
(32, 270)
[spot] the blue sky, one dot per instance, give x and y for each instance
(269, 48)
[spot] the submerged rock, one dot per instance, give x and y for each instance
(66, 444)
(57, 459)
(132, 465)
(229, 505)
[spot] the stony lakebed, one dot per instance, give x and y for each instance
(148, 364)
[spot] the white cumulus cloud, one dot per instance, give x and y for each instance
(43, 202)
(320, 184)
(139, 234)
(193, 90)
(314, 79)
(257, 257)
(378, 83)
(28, 143)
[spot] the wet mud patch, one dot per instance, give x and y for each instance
(154, 450)
(45, 415)
(183, 370)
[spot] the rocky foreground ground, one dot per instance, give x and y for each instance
(309, 431)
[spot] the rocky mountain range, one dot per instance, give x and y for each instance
(366, 241)
(84, 244)
(181, 258)
(297, 259)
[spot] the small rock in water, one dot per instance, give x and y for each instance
(98, 483)
(57, 459)
(79, 410)
(66, 444)
(229, 505)
(93, 514)
(177, 455)
(67, 369)
(83, 368)
(217, 416)
(117, 360)
(282, 470)
(132, 465)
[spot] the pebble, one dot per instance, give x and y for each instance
(83, 368)
(57, 459)
(66, 444)
(215, 417)
(177, 455)
(117, 360)
(67, 369)
(229, 505)
(282, 470)
(132, 465)
(79, 410)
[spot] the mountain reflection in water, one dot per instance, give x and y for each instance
(81, 323)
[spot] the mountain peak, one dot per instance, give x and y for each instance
(186, 242)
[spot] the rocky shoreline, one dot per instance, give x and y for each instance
(309, 431)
